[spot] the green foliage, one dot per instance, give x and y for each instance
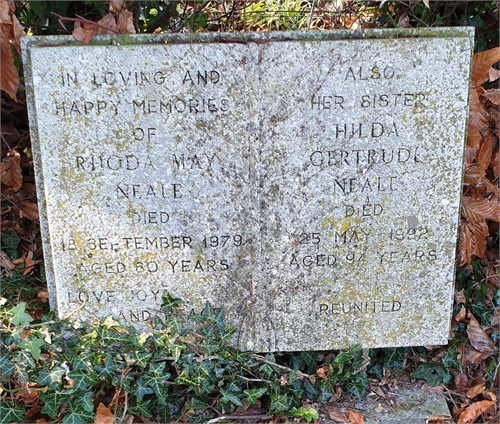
(184, 364)
(10, 243)
(308, 414)
(475, 288)
(432, 372)
(18, 316)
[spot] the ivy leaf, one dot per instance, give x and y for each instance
(142, 408)
(7, 367)
(342, 359)
(450, 359)
(219, 318)
(254, 394)
(52, 402)
(433, 373)
(184, 379)
(51, 378)
(86, 402)
(310, 359)
(377, 371)
(142, 390)
(78, 418)
(311, 392)
(82, 380)
(394, 357)
(24, 359)
(176, 351)
(169, 303)
(142, 358)
(79, 363)
(21, 317)
(32, 345)
(156, 383)
(77, 414)
(156, 368)
(108, 370)
(9, 414)
(358, 385)
(228, 397)
(111, 337)
(279, 403)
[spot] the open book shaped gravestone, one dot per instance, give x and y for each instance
(308, 183)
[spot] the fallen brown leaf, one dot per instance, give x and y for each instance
(461, 314)
(29, 209)
(10, 171)
(9, 77)
(103, 415)
(474, 137)
(486, 151)
(116, 6)
(493, 74)
(489, 395)
(464, 244)
(435, 420)
(126, 22)
(84, 32)
(461, 381)
(355, 417)
(284, 380)
(5, 261)
(470, 155)
(107, 25)
(472, 238)
(27, 397)
(323, 372)
(495, 164)
(478, 115)
(460, 296)
(29, 263)
(42, 296)
(473, 356)
(338, 416)
(478, 338)
(478, 210)
(429, 389)
(493, 96)
(31, 412)
(481, 64)
(475, 391)
(473, 411)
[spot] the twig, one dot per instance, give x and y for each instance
(496, 372)
(311, 15)
(40, 325)
(204, 358)
(125, 407)
(298, 373)
(81, 19)
(256, 380)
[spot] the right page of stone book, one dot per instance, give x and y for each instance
(360, 173)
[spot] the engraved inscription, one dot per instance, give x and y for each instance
(296, 183)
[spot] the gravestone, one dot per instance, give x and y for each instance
(307, 183)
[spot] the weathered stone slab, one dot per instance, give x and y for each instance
(404, 405)
(307, 183)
